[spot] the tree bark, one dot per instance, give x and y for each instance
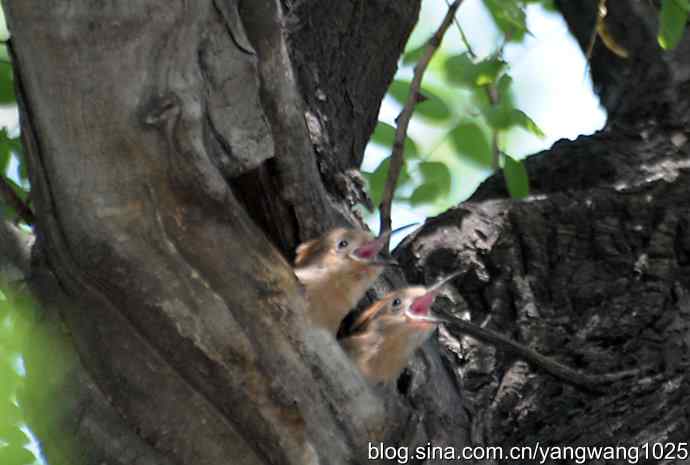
(591, 270)
(179, 152)
(147, 129)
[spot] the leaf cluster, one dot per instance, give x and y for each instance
(11, 149)
(13, 439)
(473, 133)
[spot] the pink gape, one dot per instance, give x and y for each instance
(422, 305)
(372, 248)
(369, 250)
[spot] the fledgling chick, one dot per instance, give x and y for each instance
(336, 270)
(388, 332)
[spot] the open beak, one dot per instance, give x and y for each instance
(436, 288)
(431, 319)
(369, 252)
(420, 309)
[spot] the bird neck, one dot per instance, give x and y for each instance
(331, 294)
(393, 352)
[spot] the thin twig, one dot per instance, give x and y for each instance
(403, 120)
(492, 94)
(463, 37)
(601, 12)
(494, 99)
(12, 199)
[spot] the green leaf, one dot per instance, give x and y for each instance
(471, 143)
(548, 5)
(6, 84)
(399, 90)
(414, 55)
(8, 374)
(684, 4)
(488, 70)
(384, 134)
(10, 414)
(504, 87)
(509, 17)
(432, 107)
(19, 190)
(425, 194)
(8, 389)
(436, 172)
(499, 116)
(516, 177)
(461, 70)
(16, 455)
(377, 180)
(7, 211)
(6, 147)
(503, 115)
(521, 119)
(672, 19)
(12, 434)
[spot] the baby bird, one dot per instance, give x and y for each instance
(388, 332)
(336, 270)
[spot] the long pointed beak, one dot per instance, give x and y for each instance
(401, 228)
(385, 262)
(371, 249)
(420, 310)
(437, 287)
(421, 306)
(432, 319)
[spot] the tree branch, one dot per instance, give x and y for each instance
(284, 108)
(15, 247)
(463, 36)
(586, 381)
(13, 200)
(403, 119)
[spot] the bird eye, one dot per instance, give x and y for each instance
(396, 302)
(342, 244)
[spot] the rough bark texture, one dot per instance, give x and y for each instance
(147, 129)
(592, 269)
(179, 151)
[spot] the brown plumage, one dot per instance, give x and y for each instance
(388, 332)
(336, 270)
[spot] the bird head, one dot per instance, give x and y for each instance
(342, 248)
(388, 332)
(336, 270)
(409, 307)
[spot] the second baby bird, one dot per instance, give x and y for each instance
(388, 332)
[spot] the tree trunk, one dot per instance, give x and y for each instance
(179, 152)
(591, 270)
